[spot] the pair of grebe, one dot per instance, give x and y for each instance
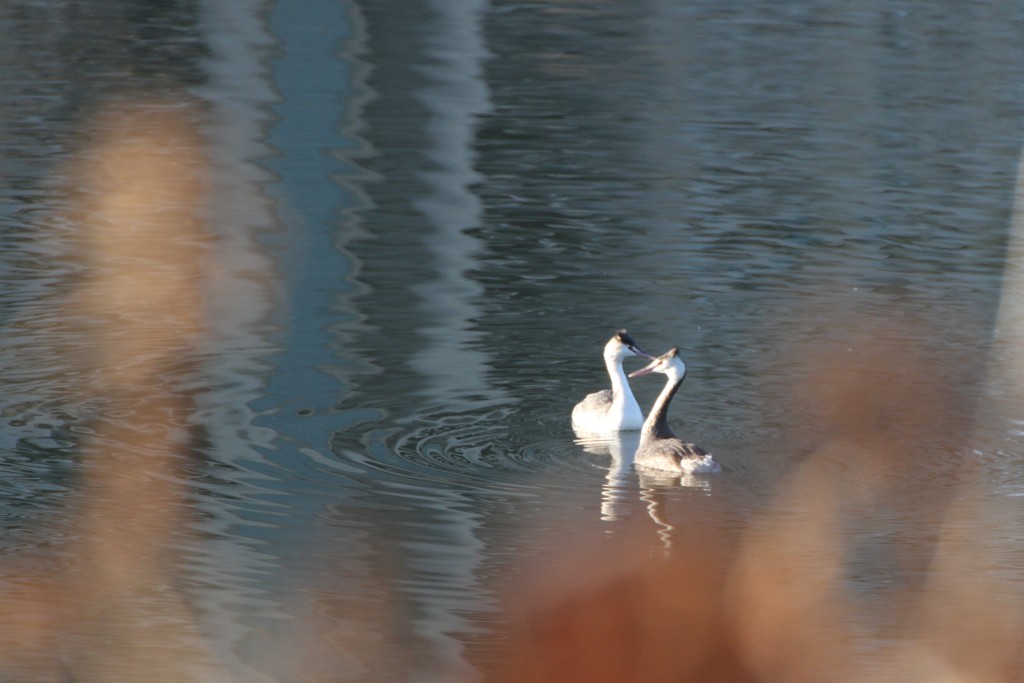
(617, 410)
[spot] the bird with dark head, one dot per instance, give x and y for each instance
(615, 409)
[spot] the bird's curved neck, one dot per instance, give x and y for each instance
(656, 424)
(620, 384)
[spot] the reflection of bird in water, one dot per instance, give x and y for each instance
(655, 486)
(660, 448)
(618, 489)
(615, 409)
(655, 497)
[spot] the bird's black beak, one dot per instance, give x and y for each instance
(637, 351)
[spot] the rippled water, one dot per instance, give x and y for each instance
(428, 218)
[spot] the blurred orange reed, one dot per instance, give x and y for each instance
(112, 615)
(771, 604)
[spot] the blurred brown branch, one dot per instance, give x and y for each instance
(774, 605)
(113, 614)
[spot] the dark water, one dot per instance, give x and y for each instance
(430, 215)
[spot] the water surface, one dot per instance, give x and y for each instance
(428, 217)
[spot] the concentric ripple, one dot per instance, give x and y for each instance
(499, 448)
(482, 444)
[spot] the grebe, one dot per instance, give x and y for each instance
(615, 409)
(659, 447)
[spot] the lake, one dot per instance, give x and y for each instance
(298, 297)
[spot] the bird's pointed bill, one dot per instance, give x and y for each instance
(647, 369)
(640, 352)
